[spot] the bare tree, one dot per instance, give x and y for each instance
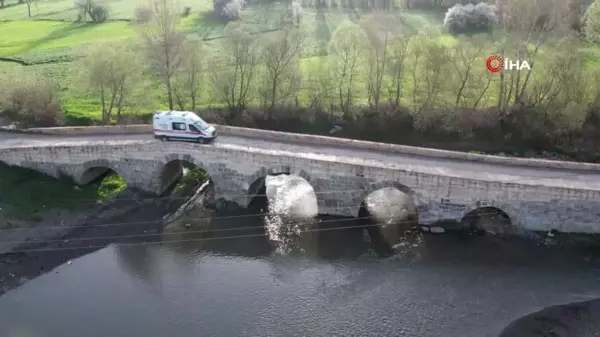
(281, 79)
(188, 82)
(349, 45)
(233, 78)
(415, 59)
(437, 62)
(319, 84)
(563, 82)
(98, 12)
(297, 12)
(561, 93)
(436, 66)
(229, 10)
(466, 54)
(111, 72)
(29, 2)
(143, 14)
(164, 44)
(398, 50)
(429, 69)
(481, 84)
(527, 24)
(379, 30)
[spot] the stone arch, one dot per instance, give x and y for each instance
(256, 182)
(388, 184)
(95, 169)
(171, 169)
(489, 218)
(403, 216)
(393, 185)
(505, 207)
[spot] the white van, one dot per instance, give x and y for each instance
(182, 125)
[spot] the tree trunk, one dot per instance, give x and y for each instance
(273, 97)
(169, 93)
(121, 99)
(102, 99)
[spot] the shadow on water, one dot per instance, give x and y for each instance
(334, 237)
(380, 245)
(248, 232)
(244, 233)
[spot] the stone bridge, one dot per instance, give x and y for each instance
(342, 173)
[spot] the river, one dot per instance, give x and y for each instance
(327, 283)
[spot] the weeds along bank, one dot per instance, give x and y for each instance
(26, 194)
(410, 73)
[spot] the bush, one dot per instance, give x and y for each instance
(31, 101)
(99, 13)
(591, 26)
(229, 10)
(470, 18)
(143, 14)
(96, 11)
(75, 119)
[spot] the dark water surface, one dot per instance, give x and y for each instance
(334, 285)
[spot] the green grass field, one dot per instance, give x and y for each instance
(65, 9)
(51, 42)
(30, 37)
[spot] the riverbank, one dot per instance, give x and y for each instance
(62, 236)
(580, 319)
(50, 248)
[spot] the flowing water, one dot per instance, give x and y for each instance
(236, 281)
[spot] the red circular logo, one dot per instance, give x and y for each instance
(490, 61)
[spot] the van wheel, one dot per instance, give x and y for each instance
(201, 140)
(164, 138)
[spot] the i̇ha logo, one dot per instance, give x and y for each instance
(496, 63)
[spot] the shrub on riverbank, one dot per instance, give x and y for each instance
(30, 100)
(192, 176)
(112, 184)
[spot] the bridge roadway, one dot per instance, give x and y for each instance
(568, 178)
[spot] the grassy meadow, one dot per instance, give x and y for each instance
(51, 43)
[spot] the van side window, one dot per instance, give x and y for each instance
(179, 126)
(193, 128)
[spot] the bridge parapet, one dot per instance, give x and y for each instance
(331, 141)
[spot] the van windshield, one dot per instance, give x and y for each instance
(202, 124)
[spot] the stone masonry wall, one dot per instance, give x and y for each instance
(341, 184)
